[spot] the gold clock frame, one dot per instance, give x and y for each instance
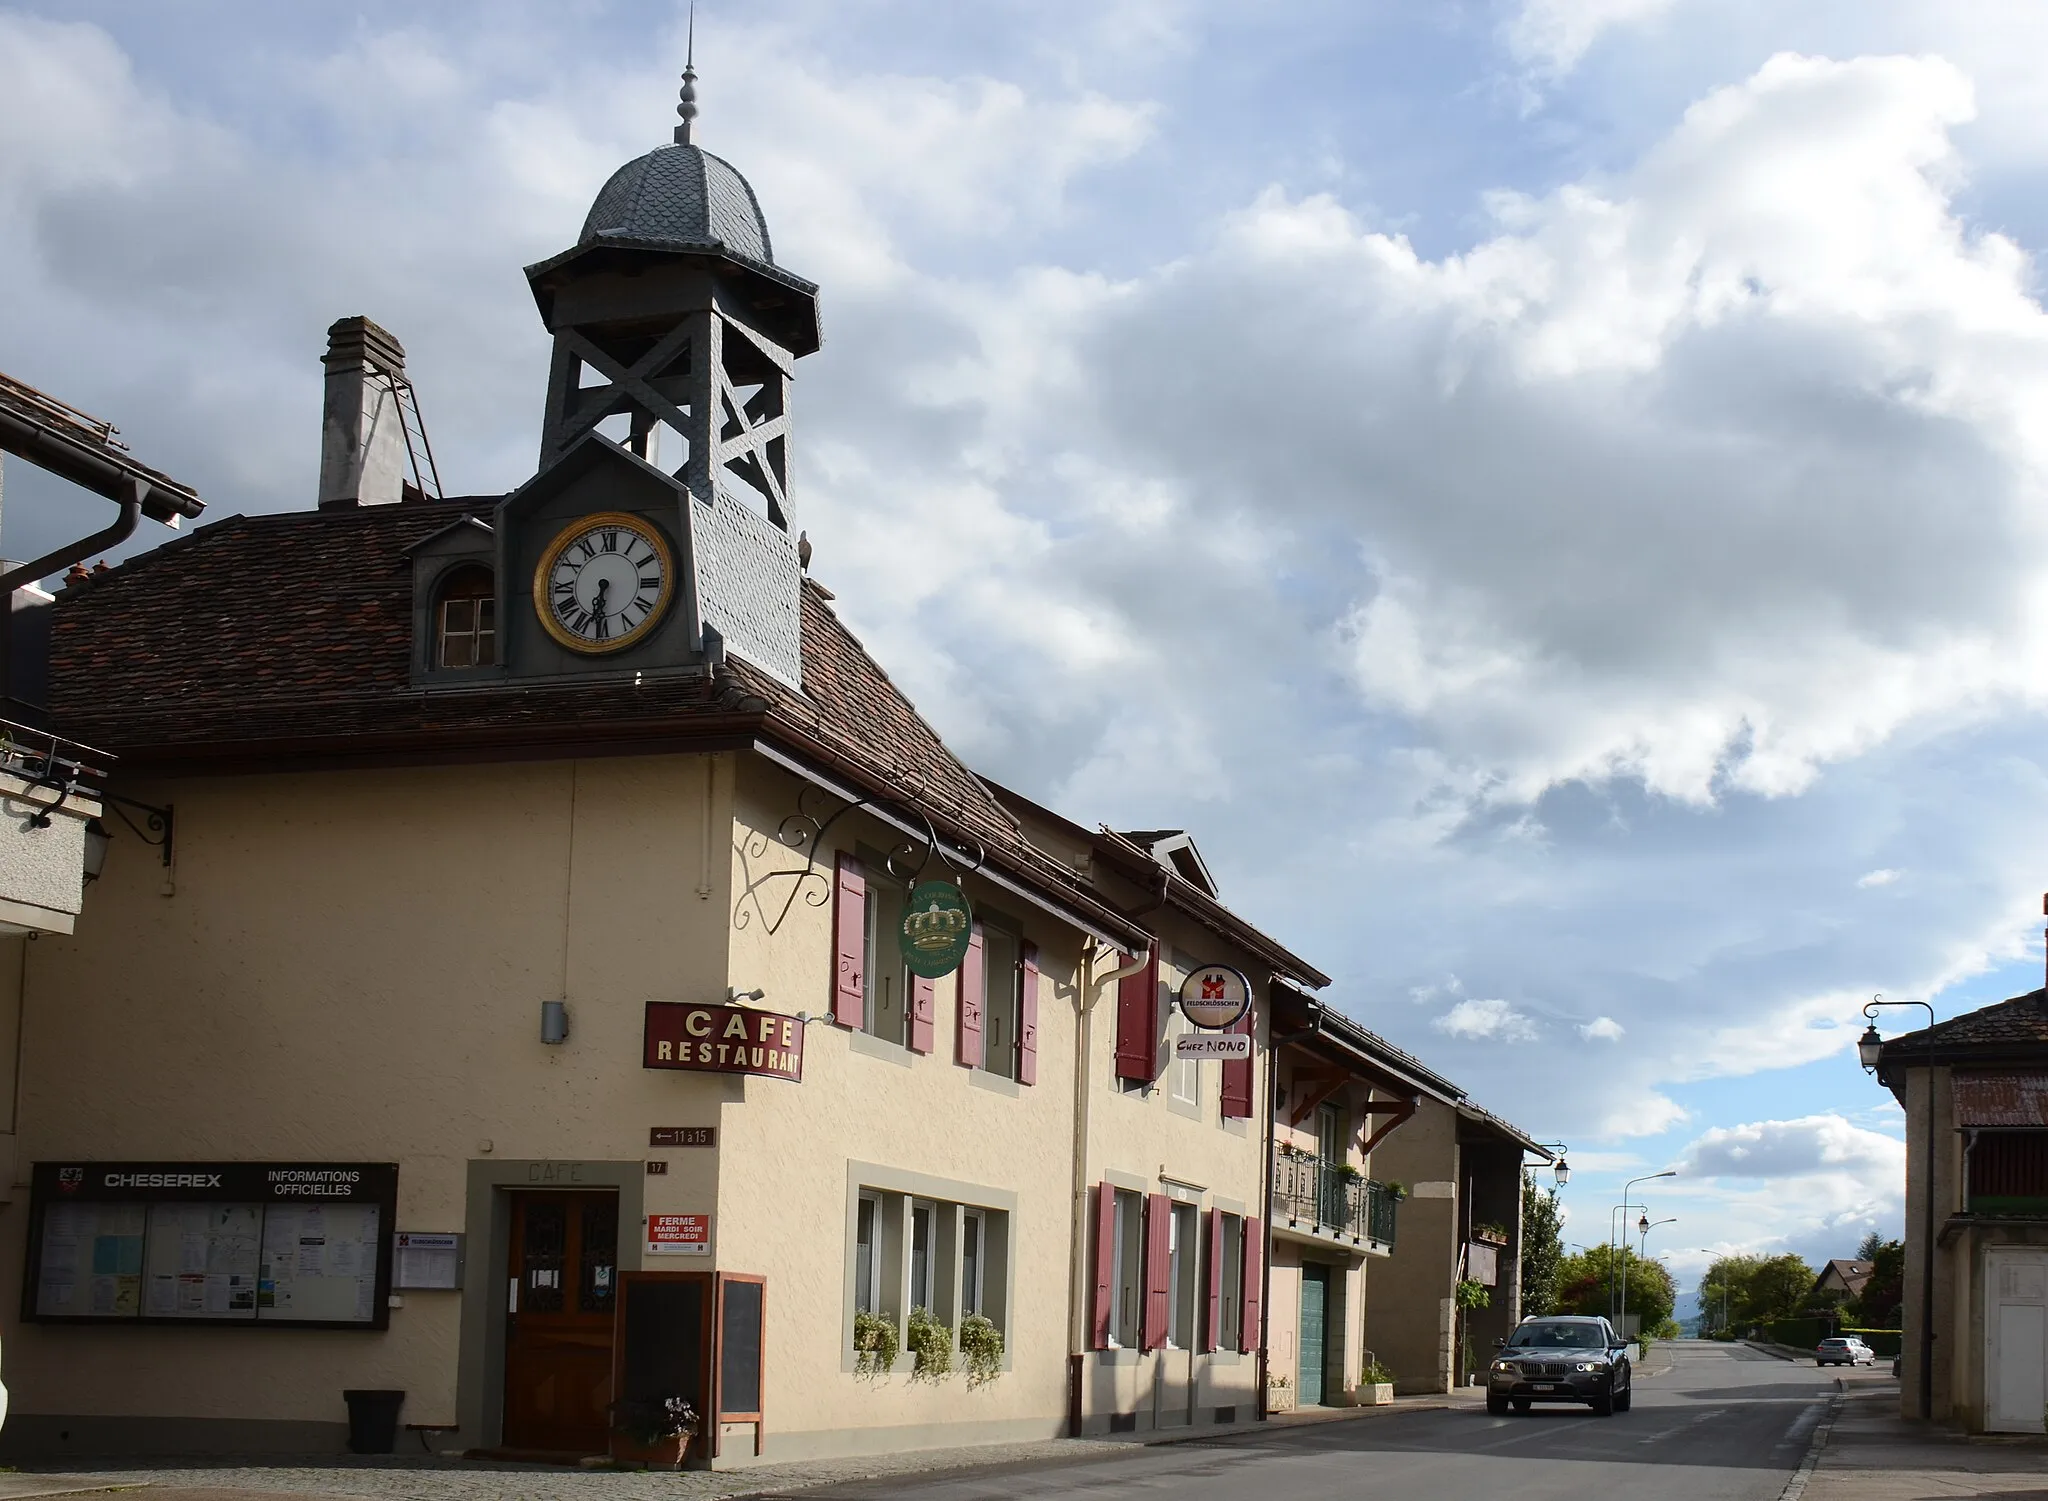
(641, 527)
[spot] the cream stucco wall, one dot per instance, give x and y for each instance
(351, 968)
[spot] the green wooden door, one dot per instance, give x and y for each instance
(1315, 1304)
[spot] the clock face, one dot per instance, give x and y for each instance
(603, 583)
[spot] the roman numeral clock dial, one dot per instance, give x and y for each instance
(604, 583)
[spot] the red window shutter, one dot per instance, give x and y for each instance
(967, 1050)
(1137, 1022)
(850, 939)
(922, 995)
(1254, 1248)
(1212, 1337)
(1237, 1075)
(1158, 1268)
(1027, 1016)
(1102, 1313)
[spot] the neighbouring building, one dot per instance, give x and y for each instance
(1368, 1137)
(1984, 1076)
(1842, 1280)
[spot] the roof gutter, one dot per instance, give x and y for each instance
(94, 466)
(1433, 1085)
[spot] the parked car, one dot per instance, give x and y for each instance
(1570, 1358)
(1844, 1350)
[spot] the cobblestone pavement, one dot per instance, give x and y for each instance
(427, 1479)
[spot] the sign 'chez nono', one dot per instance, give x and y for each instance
(723, 1040)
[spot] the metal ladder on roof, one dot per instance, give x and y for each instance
(426, 477)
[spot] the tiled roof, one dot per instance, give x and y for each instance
(289, 637)
(2016, 1026)
(2012, 1098)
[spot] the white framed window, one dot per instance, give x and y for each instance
(867, 1257)
(973, 1258)
(1002, 970)
(1128, 1271)
(1185, 1074)
(1230, 1307)
(923, 1247)
(1183, 1266)
(885, 1006)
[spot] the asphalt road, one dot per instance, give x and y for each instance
(1726, 1423)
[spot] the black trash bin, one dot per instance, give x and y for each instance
(372, 1420)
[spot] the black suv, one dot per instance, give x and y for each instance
(1566, 1358)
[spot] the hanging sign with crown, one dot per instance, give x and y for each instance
(1215, 997)
(937, 923)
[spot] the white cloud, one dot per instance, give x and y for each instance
(1552, 35)
(1808, 1146)
(1491, 1020)
(1876, 878)
(1602, 1029)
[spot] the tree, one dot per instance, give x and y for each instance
(1584, 1285)
(1724, 1287)
(1869, 1246)
(1542, 1247)
(1878, 1306)
(1778, 1289)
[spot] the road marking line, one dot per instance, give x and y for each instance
(1796, 1486)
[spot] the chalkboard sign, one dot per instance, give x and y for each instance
(739, 1348)
(662, 1325)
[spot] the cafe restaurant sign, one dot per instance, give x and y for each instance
(723, 1040)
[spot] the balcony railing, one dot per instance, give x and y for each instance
(1321, 1196)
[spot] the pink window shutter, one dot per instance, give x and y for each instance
(1137, 1022)
(922, 1006)
(1254, 1249)
(1158, 1268)
(972, 972)
(1027, 1015)
(850, 940)
(1102, 1311)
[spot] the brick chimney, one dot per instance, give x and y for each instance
(363, 460)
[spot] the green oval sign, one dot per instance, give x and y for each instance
(937, 922)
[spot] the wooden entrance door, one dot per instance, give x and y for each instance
(564, 1277)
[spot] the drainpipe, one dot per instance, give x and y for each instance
(133, 493)
(1087, 993)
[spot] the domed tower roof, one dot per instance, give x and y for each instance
(680, 197)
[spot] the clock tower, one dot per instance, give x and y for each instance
(665, 435)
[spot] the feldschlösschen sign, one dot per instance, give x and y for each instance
(1215, 997)
(723, 1040)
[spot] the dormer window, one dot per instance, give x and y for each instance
(466, 620)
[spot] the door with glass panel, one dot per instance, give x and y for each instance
(1332, 1206)
(1315, 1305)
(561, 1287)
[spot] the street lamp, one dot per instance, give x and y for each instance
(1869, 1051)
(1560, 1169)
(1643, 1228)
(1621, 1308)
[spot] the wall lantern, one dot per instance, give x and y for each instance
(1869, 1048)
(554, 1021)
(1562, 1172)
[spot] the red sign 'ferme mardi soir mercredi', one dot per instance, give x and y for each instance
(723, 1040)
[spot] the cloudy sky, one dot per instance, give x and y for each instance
(1550, 492)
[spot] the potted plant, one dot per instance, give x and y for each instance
(1279, 1394)
(981, 1342)
(932, 1343)
(874, 1345)
(1349, 1173)
(1493, 1233)
(653, 1430)
(1375, 1383)
(1397, 1190)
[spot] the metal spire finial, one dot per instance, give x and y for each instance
(686, 105)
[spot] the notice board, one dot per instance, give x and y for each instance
(243, 1244)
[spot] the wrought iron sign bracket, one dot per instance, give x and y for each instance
(157, 821)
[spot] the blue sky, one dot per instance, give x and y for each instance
(1550, 492)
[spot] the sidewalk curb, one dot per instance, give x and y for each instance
(1796, 1486)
